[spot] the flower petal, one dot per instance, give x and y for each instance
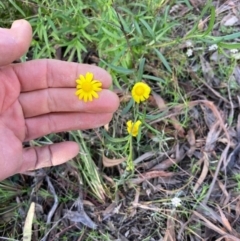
(78, 92)
(81, 77)
(89, 76)
(94, 94)
(79, 81)
(90, 97)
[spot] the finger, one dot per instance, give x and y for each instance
(53, 123)
(49, 155)
(42, 74)
(14, 42)
(64, 100)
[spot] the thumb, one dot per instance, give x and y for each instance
(14, 42)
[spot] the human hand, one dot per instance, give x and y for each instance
(38, 98)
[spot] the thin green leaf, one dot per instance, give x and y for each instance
(228, 37)
(229, 45)
(151, 77)
(138, 29)
(211, 22)
(123, 24)
(127, 107)
(141, 5)
(146, 25)
(188, 4)
(204, 11)
(126, 11)
(164, 61)
(111, 34)
(166, 15)
(162, 33)
(141, 68)
(2, 6)
(17, 7)
(119, 69)
(114, 140)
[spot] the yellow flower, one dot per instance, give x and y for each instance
(140, 92)
(87, 87)
(133, 128)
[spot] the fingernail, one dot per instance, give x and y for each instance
(18, 23)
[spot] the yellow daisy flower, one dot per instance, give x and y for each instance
(87, 87)
(140, 92)
(133, 128)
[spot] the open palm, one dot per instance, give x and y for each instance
(37, 98)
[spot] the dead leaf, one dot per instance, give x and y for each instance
(238, 127)
(191, 137)
(224, 191)
(107, 162)
(192, 142)
(109, 211)
(159, 101)
(194, 76)
(180, 153)
(170, 230)
(225, 221)
(165, 164)
(145, 156)
(196, 3)
(229, 20)
(178, 126)
(80, 217)
(133, 210)
(203, 174)
(237, 209)
(148, 175)
(27, 229)
(236, 74)
(212, 137)
(210, 225)
(201, 25)
(208, 212)
(161, 105)
(208, 72)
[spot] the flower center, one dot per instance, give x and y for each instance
(139, 90)
(87, 86)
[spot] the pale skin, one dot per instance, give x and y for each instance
(37, 98)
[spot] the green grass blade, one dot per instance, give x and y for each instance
(146, 25)
(229, 45)
(203, 12)
(211, 22)
(127, 107)
(119, 69)
(141, 69)
(17, 8)
(164, 61)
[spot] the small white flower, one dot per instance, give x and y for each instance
(189, 52)
(234, 51)
(176, 202)
(213, 47)
(189, 44)
(236, 56)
